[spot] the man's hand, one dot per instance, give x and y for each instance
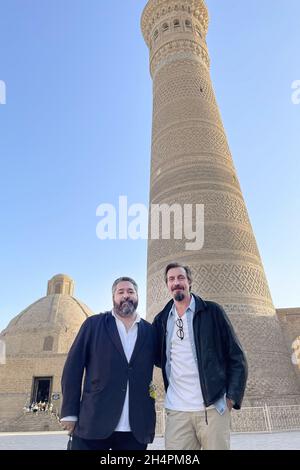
(68, 426)
(229, 404)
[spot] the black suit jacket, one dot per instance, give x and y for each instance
(97, 351)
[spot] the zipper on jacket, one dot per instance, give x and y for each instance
(203, 388)
(164, 339)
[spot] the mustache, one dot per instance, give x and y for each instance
(128, 301)
(177, 287)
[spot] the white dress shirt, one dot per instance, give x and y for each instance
(128, 339)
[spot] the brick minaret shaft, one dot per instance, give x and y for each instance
(192, 164)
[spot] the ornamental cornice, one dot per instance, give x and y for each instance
(180, 47)
(156, 10)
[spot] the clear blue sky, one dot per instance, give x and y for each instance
(76, 132)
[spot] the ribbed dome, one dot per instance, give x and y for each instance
(56, 309)
(48, 325)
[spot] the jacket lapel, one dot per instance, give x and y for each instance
(114, 335)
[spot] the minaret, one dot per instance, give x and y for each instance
(192, 164)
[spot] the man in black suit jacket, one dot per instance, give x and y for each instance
(115, 409)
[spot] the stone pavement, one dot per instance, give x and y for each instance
(58, 441)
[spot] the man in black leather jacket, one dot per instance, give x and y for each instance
(203, 366)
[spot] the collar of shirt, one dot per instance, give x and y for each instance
(191, 307)
(137, 318)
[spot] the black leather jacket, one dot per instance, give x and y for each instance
(221, 361)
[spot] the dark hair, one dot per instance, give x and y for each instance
(178, 265)
(122, 279)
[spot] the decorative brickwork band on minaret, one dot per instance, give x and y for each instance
(192, 164)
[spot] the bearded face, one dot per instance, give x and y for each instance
(125, 308)
(178, 284)
(125, 299)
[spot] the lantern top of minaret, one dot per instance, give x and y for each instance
(156, 10)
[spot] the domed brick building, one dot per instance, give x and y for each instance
(37, 342)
